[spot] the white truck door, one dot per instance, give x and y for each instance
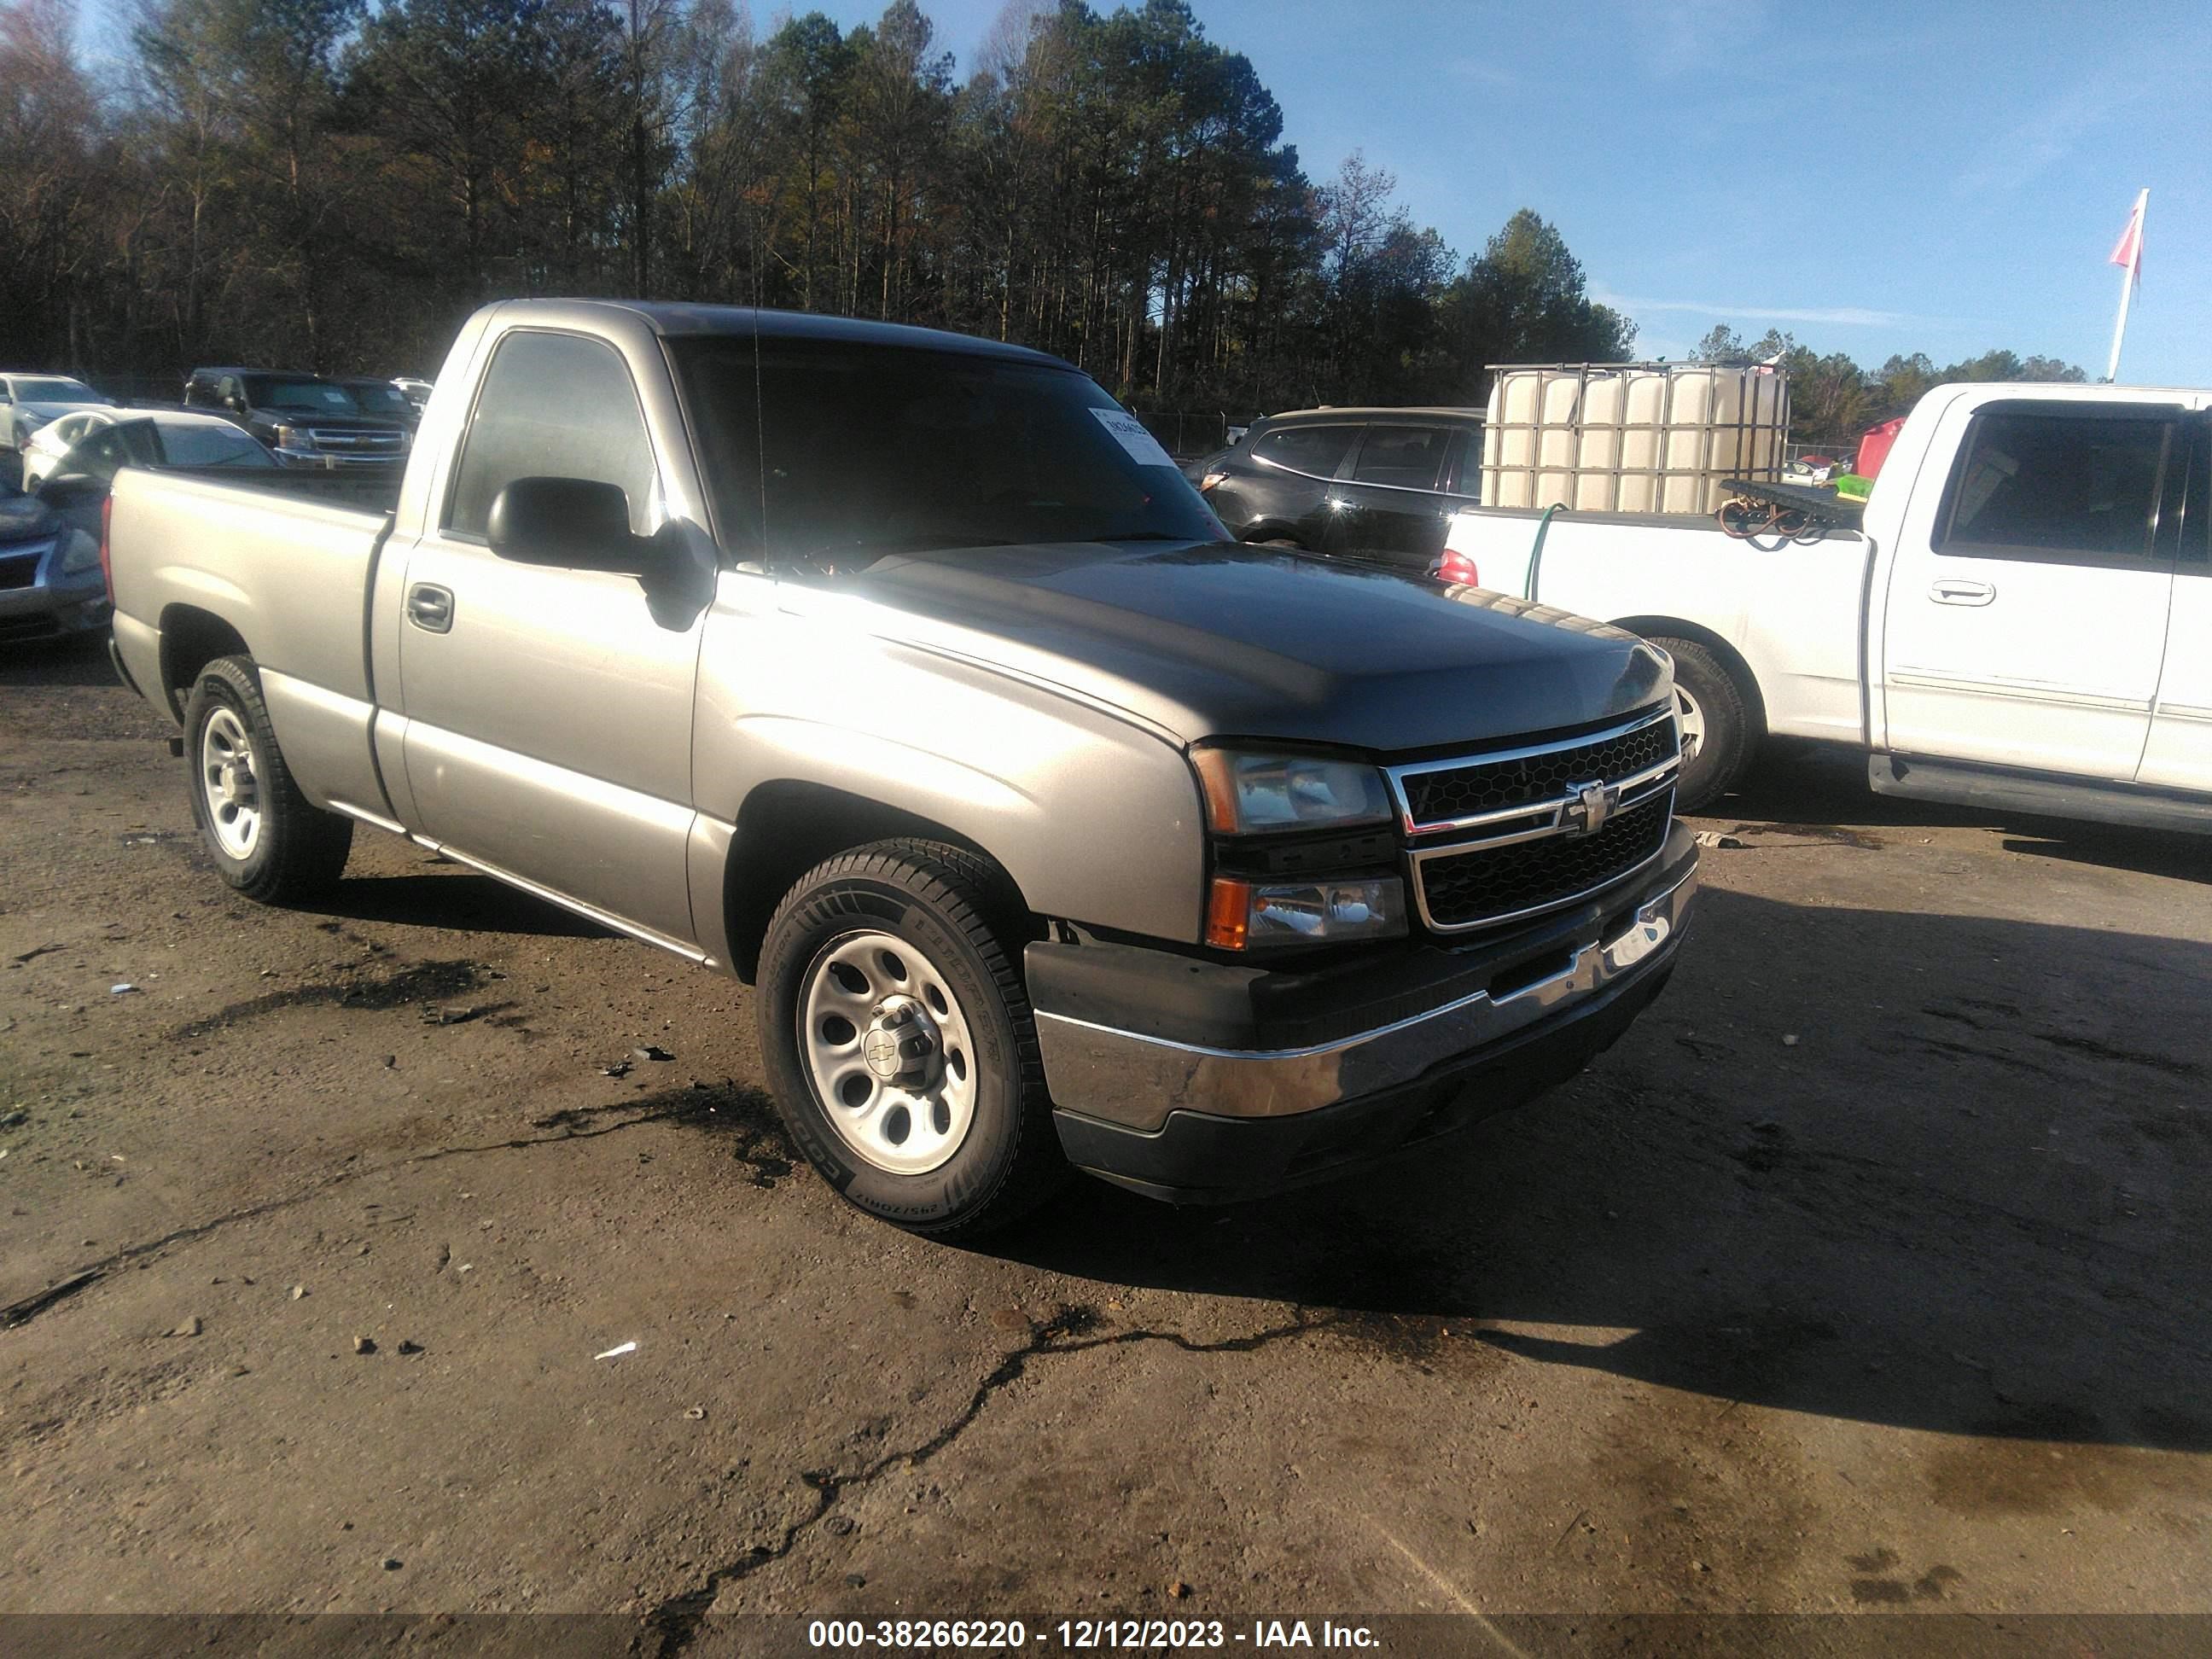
(2026, 610)
(2180, 753)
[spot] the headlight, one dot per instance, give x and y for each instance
(1251, 795)
(406, 439)
(293, 441)
(82, 555)
(1246, 915)
(1207, 484)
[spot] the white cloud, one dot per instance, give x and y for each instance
(1834, 316)
(1680, 36)
(2014, 158)
(1482, 71)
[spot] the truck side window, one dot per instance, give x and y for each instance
(1408, 456)
(1315, 450)
(553, 406)
(2077, 489)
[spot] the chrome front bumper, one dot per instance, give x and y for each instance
(1135, 1081)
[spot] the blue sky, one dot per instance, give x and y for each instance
(1942, 176)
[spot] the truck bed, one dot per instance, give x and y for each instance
(375, 490)
(1793, 612)
(284, 563)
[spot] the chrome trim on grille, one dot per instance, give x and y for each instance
(343, 438)
(1421, 888)
(1398, 775)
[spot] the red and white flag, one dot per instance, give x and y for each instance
(2128, 252)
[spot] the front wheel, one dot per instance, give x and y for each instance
(898, 1036)
(1719, 738)
(268, 839)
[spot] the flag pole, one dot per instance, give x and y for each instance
(2128, 287)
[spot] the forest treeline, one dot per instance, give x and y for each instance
(1832, 400)
(334, 184)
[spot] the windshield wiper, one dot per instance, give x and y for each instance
(918, 539)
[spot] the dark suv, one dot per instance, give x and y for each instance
(307, 420)
(1365, 483)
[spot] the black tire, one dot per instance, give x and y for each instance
(963, 914)
(300, 850)
(1731, 737)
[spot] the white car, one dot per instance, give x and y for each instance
(418, 391)
(179, 438)
(27, 402)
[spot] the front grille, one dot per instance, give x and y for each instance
(1492, 884)
(360, 443)
(1476, 786)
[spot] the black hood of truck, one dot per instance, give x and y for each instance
(1225, 640)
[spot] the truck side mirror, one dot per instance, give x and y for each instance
(574, 524)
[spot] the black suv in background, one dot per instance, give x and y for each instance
(307, 420)
(1378, 485)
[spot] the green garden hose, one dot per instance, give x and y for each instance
(1536, 552)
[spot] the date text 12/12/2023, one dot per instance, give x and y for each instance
(1085, 1635)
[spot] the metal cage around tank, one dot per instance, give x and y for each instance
(1627, 437)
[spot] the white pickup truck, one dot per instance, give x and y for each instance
(2025, 621)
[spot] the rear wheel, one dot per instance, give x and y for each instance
(1718, 740)
(268, 840)
(898, 1035)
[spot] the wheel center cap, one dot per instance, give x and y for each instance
(900, 1046)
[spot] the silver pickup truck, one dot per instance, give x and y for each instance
(901, 675)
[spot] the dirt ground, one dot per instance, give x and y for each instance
(1868, 1272)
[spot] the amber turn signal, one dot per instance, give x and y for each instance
(1228, 914)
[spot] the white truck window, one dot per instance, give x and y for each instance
(553, 406)
(2078, 488)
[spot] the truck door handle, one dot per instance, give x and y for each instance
(430, 608)
(1951, 591)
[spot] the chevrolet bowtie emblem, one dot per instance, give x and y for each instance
(1592, 805)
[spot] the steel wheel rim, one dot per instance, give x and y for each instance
(888, 1049)
(229, 782)
(1692, 714)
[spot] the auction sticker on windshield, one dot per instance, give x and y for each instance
(1141, 444)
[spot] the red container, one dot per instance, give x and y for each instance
(1874, 446)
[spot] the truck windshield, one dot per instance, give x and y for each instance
(266, 392)
(871, 448)
(378, 399)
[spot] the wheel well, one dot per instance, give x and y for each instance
(786, 827)
(1746, 682)
(191, 640)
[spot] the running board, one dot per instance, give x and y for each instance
(2081, 799)
(552, 896)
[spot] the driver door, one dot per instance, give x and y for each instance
(549, 709)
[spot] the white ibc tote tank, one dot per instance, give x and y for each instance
(1630, 437)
